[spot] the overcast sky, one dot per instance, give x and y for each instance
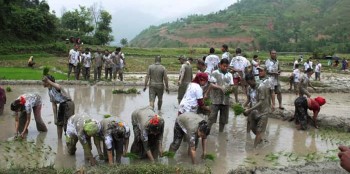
(130, 17)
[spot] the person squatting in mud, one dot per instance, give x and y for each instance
(190, 126)
(259, 101)
(23, 107)
(157, 77)
(81, 127)
(66, 106)
(302, 104)
(148, 133)
(193, 98)
(115, 134)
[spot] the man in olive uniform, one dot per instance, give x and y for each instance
(184, 79)
(118, 60)
(115, 134)
(260, 98)
(190, 126)
(81, 128)
(97, 64)
(157, 77)
(148, 133)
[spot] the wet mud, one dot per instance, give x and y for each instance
(284, 146)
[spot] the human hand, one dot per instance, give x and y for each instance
(23, 134)
(344, 157)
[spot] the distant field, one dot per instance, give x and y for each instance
(12, 73)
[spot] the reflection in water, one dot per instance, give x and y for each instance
(231, 148)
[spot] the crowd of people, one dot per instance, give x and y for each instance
(215, 80)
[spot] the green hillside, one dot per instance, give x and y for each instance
(286, 25)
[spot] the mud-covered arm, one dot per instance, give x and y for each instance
(204, 147)
(16, 122)
(247, 101)
(147, 78)
(311, 85)
(97, 142)
(166, 80)
(53, 84)
(26, 124)
(160, 140)
(54, 109)
(182, 74)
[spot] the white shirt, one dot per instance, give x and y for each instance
(87, 59)
(295, 62)
(255, 65)
(318, 67)
(189, 101)
(296, 74)
(212, 62)
(239, 62)
(226, 55)
(73, 57)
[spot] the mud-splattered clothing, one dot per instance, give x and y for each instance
(224, 80)
(273, 66)
(66, 106)
(75, 132)
(211, 61)
(74, 57)
(304, 83)
(2, 99)
(185, 79)
(106, 128)
(98, 65)
(157, 76)
(264, 96)
(252, 93)
(226, 55)
(186, 125)
(300, 113)
(189, 103)
(143, 140)
(241, 63)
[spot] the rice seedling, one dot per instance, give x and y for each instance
(169, 154)
(106, 116)
(237, 109)
(132, 156)
(209, 157)
(8, 89)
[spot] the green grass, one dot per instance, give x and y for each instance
(13, 73)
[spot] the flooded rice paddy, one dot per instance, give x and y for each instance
(284, 145)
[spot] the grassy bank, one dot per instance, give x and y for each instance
(12, 73)
(102, 169)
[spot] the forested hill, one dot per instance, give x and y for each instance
(286, 25)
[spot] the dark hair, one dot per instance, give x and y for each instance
(51, 78)
(190, 59)
(204, 57)
(118, 132)
(255, 56)
(309, 70)
(224, 61)
(225, 47)
(203, 127)
(296, 65)
(200, 62)
(155, 128)
(87, 49)
(238, 50)
(15, 105)
(272, 50)
(249, 76)
(118, 49)
(211, 50)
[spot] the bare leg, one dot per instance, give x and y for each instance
(258, 139)
(59, 132)
(279, 98)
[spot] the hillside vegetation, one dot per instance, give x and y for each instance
(286, 25)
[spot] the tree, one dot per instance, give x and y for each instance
(124, 41)
(104, 30)
(78, 20)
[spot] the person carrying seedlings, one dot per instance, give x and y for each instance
(115, 134)
(220, 87)
(302, 104)
(81, 127)
(193, 98)
(2, 99)
(190, 126)
(157, 77)
(305, 82)
(58, 96)
(258, 97)
(185, 77)
(148, 133)
(25, 103)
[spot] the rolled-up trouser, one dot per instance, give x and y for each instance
(65, 110)
(300, 113)
(97, 73)
(224, 112)
(178, 136)
(181, 92)
(138, 148)
(258, 122)
(117, 149)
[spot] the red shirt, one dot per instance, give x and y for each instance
(313, 105)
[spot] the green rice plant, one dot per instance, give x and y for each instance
(132, 91)
(237, 109)
(8, 89)
(118, 91)
(46, 70)
(169, 154)
(132, 155)
(272, 157)
(106, 116)
(207, 102)
(128, 91)
(209, 157)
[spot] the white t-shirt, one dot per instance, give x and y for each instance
(255, 65)
(189, 101)
(296, 74)
(239, 62)
(73, 57)
(87, 59)
(226, 55)
(295, 62)
(212, 62)
(318, 67)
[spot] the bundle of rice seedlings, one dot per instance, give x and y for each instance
(131, 91)
(207, 102)
(132, 156)
(106, 116)
(46, 71)
(8, 89)
(169, 154)
(237, 109)
(209, 157)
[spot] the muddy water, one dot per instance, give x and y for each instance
(284, 144)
